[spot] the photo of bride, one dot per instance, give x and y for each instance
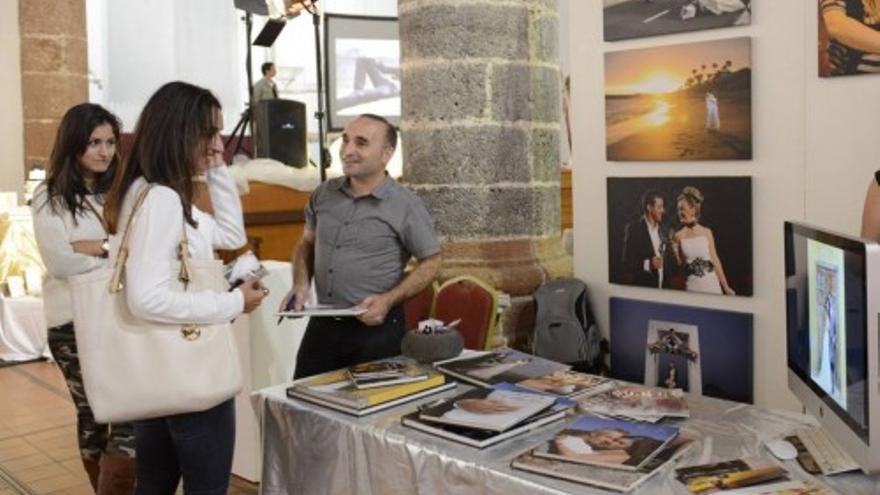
(682, 233)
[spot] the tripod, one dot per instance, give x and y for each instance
(246, 118)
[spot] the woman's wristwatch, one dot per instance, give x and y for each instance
(105, 248)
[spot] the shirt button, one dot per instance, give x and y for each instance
(329, 294)
(330, 270)
(338, 246)
(345, 223)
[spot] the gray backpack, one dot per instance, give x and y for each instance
(565, 329)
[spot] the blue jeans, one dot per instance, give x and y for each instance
(197, 446)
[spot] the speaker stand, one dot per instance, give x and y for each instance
(238, 133)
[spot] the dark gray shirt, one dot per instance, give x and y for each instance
(363, 244)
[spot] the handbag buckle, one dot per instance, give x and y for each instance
(190, 332)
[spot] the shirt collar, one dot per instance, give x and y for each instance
(382, 191)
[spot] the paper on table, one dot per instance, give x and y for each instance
(319, 310)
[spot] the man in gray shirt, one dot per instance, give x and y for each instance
(265, 89)
(361, 230)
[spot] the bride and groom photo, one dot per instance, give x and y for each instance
(684, 233)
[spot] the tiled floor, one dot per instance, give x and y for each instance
(38, 452)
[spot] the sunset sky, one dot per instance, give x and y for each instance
(664, 69)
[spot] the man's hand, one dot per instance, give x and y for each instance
(656, 263)
(295, 300)
(377, 307)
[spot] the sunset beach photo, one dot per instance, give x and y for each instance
(679, 102)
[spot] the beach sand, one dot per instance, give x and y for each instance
(684, 136)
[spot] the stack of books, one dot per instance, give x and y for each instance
(636, 402)
(609, 453)
(341, 391)
(483, 417)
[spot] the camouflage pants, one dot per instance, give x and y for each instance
(95, 439)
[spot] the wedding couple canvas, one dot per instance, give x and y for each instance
(681, 233)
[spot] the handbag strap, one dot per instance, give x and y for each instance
(122, 253)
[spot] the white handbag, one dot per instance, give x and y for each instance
(137, 369)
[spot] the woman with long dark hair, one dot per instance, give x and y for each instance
(72, 239)
(177, 137)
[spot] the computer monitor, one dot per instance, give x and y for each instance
(832, 293)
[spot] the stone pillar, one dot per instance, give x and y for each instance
(481, 129)
(54, 71)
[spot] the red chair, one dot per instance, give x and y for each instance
(474, 302)
(418, 307)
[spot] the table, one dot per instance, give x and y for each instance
(313, 450)
(22, 329)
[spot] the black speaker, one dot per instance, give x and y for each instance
(280, 131)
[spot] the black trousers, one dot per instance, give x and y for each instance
(333, 343)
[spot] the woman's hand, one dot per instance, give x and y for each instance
(253, 293)
(90, 247)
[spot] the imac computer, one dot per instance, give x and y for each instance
(832, 286)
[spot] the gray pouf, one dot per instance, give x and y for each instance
(430, 347)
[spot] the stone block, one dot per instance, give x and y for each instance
(42, 54)
(461, 30)
(544, 39)
(478, 154)
(445, 91)
(39, 137)
(76, 56)
(53, 17)
(525, 93)
(544, 148)
(495, 211)
(48, 96)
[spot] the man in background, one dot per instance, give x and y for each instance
(644, 244)
(265, 88)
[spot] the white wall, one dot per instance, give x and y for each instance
(11, 118)
(813, 159)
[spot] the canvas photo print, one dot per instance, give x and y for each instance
(716, 358)
(625, 19)
(681, 233)
(690, 102)
(841, 49)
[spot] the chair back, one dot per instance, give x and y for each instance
(418, 307)
(471, 300)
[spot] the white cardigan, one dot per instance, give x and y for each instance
(155, 236)
(54, 231)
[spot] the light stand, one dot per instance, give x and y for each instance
(245, 120)
(324, 158)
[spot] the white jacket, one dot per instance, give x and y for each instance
(54, 231)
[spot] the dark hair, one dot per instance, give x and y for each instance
(172, 128)
(649, 198)
(390, 130)
(266, 67)
(65, 184)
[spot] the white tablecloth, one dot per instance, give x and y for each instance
(22, 329)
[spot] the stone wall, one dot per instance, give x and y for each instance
(53, 69)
